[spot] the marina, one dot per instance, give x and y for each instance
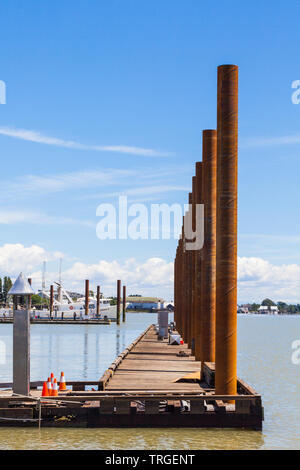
(97, 348)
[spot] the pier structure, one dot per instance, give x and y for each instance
(206, 302)
(155, 382)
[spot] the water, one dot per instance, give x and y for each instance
(85, 351)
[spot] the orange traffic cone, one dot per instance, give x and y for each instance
(49, 387)
(62, 382)
(52, 378)
(45, 390)
(54, 389)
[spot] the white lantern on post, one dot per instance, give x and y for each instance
(21, 336)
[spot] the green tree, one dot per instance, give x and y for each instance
(7, 283)
(282, 307)
(268, 303)
(37, 300)
(254, 307)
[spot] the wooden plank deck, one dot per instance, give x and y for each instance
(138, 390)
(153, 365)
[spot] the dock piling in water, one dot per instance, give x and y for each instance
(226, 261)
(124, 304)
(118, 301)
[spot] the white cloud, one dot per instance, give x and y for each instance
(16, 257)
(257, 278)
(76, 180)
(34, 136)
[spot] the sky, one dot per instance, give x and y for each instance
(109, 98)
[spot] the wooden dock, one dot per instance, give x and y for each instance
(65, 321)
(143, 387)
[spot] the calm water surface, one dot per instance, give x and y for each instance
(85, 351)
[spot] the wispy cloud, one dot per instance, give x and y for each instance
(142, 191)
(34, 136)
(12, 217)
(45, 184)
(270, 141)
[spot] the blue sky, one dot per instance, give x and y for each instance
(143, 75)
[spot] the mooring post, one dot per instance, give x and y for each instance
(180, 287)
(29, 298)
(175, 293)
(226, 261)
(193, 298)
(189, 254)
(21, 337)
(98, 302)
(51, 300)
(184, 285)
(118, 300)
(208, 264)
(124, 304)
(197, 267)
(87, 297)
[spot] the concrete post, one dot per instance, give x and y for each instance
(21, 351)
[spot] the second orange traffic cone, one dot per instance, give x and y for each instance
(49, 386)
(62, 382)
(54, 389)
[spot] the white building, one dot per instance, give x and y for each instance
(264, 309)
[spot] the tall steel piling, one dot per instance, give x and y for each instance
(208, 263)
(29, 298)
(124, 304)
(51, 300)
(87, 297)
(98, 301)
(226, 261)
(197, 271)
(189, 260)
(118, 300)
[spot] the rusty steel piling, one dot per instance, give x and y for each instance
(226, 260)
(197, 271)
(87, 297)
(118, 301)
(124, 304)
(208, 264)
(98, 301)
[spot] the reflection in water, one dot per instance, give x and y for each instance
(16, 438)
(85, 355)
(84, 352)
(118, 341)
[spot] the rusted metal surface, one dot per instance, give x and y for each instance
(51, 300)
(98, 301)
(193, 305)
(29, 298)
(124, 304)
(197, 268)
(118, 300)
(87, 295)
(208, 264)
(189, 261)
(226, 261)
